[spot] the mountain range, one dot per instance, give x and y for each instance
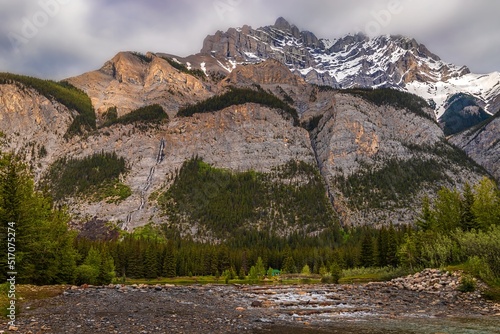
(374, 124)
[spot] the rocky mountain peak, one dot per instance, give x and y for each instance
(354, 60)
(282, 24)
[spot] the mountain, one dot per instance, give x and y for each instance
(223, 141)
(352, 61)
(482, 143)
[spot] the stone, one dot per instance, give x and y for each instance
(256, 303)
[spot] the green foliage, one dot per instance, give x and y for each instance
(463, 228)
(142, 57)
(336, 272)
(229, 204)
(393, 97)
(456, 118)
(477, 207)
(64, 93)
(112, 192)
(486, 205)
(482, 244)
(148, 114)
(44, 245)
(367, 254)
(467, 284)
(110, 115)
(306, 270)
(426, 220)
(362, 274)
(392, 185)
(181, 67)
(101, 170)
(97, 268)
(237, 96)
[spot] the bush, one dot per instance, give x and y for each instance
(467, 284)
(86, 274)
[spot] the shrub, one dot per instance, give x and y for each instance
(467, 284)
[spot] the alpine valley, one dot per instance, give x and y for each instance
(286, 131)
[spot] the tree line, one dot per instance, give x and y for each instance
(64, 93)
(456, 227)
(237, 96)
(147, 114)
(84, 176)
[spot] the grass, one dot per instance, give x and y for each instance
(26, 292)
(187, 280)
(350, 276)
(365, 275)
(492, 291)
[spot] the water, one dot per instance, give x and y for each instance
(485, 325)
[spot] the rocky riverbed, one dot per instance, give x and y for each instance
(410, 305)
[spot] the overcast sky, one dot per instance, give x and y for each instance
(61, 38)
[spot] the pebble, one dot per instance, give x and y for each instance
(242, 308)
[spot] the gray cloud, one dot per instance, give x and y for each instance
(61, 38)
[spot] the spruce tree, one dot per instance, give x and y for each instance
(169, 263)
(367, 257)
(467, 218)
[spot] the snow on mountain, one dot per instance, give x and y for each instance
(354, 61)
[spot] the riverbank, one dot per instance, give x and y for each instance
(417, 300)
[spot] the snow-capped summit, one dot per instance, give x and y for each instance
(355, 61)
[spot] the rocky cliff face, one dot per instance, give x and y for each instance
(33, 125)
(128, 76)
(482, 143)
(353, 61)
(357, 142)
(376, 159)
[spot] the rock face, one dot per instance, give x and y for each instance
(352, 61)
(127, 76)
(355, 139)
(34, 126)
(482, 144)
(346, 137)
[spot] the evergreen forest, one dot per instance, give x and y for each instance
(459, 228)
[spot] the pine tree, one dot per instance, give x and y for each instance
(260, 267)
(382, 247)
(106, 269)
(426, 220)
(366, 259)
(151, 264)
(392, 247)
(44, 245)
(169, 263)
(289, 265)
(467, 218)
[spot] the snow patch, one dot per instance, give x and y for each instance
(203, 68)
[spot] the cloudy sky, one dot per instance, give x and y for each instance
(60, 38)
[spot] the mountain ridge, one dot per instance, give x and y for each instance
(352, 61)
(350, 137)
